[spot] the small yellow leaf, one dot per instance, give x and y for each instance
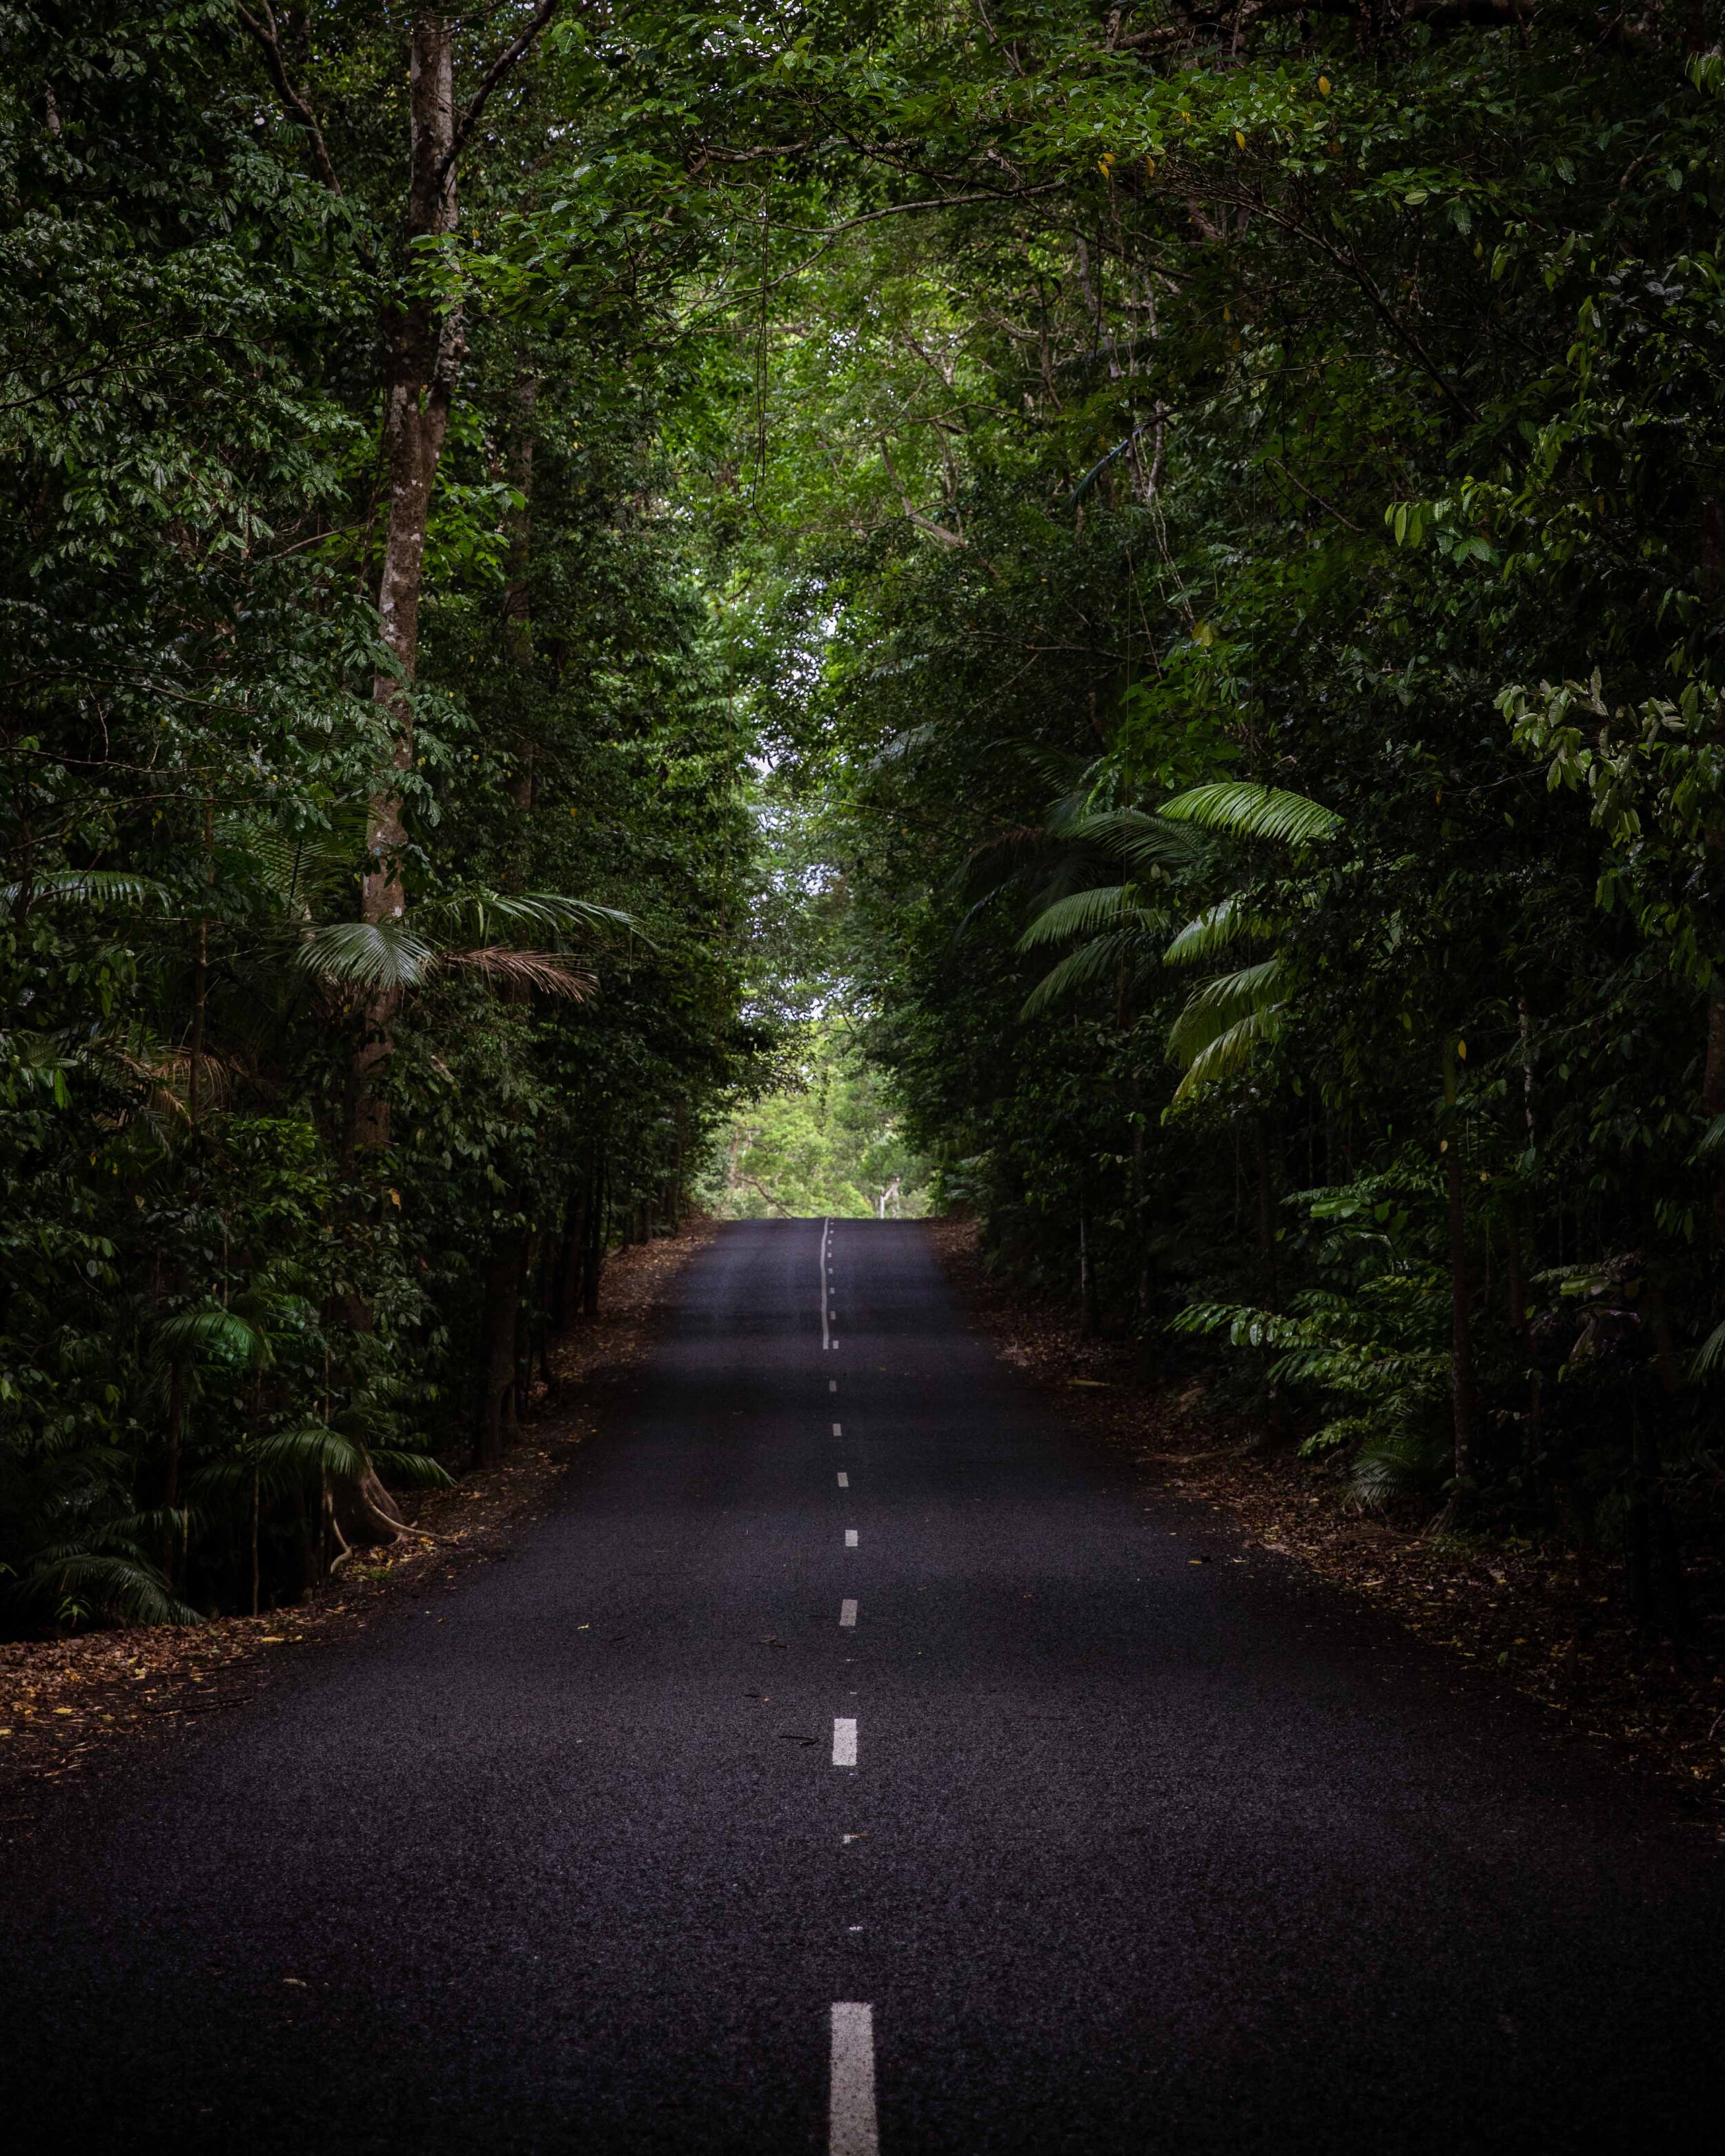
(1323, 85)
(1150, 167)
(1240, 139)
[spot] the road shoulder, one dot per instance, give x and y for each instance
(1542, 1619)
(70, 1705)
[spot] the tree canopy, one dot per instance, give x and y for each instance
(1168, 560)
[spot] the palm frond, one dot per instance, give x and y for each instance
(1143, 840)
(418, 1470)
(1403, 1463)
(1218, 927)
(1246, 811)
(544, 970)
(484, 911)
(1229, 1054)
(77, 1584)
(295, 1458)
(214, 1334)
(1099, 959)
(1223, 1023)
(1082, 913)
(1710, 1356)
(1218, 1003)
(94, 886)
(382, 956)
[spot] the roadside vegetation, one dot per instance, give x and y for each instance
(1105, 617)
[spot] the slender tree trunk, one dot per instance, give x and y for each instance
(517, 614)
(1516, 1311)
(1460, 1291)
(422, 349)
(497, 1404)
(527, 1308)
(573, 1267)
(1266, 1213)
(598, 1225)
(1712, 1089)
(170, 1478)
(1267, 1253)
(200, 976)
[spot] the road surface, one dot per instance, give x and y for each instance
(859, 1761)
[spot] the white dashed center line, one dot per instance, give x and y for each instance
(852, 2130)
(844, 1741)
(826, 1237)
(838, 1430)
(847, 1610)
(850, 1538)
(832, 1384)
(843, 1480)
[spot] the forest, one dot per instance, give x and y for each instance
(1107, 616)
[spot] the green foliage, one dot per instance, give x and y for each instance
(945, 526)
(828, 1143)
(223, 1312)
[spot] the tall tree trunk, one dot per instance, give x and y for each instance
(1713, 583)
(517, 613)
(422, 349)
(1460, 1291)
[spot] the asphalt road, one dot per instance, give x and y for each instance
(1138, 1854)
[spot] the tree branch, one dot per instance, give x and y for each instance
(493, 76)
(269, 37)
